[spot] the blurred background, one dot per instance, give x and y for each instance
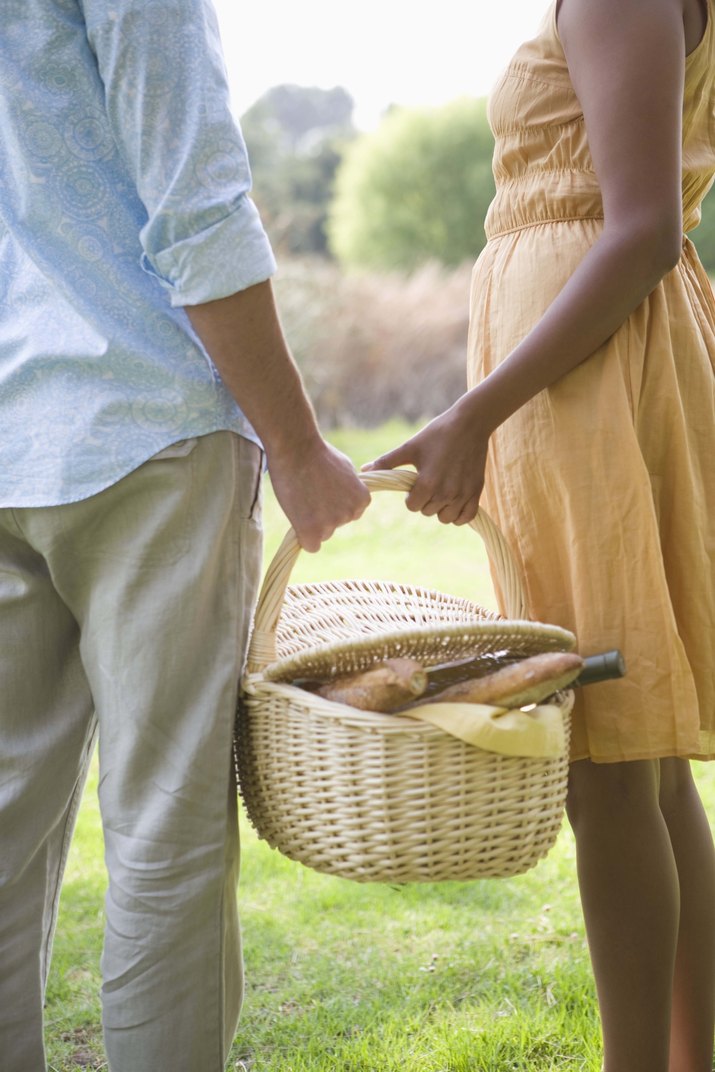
(371, 157)
(383, 52)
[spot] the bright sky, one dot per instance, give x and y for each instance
(382, 51)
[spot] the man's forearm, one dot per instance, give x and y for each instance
(316, 485)
(243, 335)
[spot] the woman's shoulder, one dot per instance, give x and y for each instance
(536, 82)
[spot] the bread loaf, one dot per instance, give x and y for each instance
(528, 681)
(384, 687)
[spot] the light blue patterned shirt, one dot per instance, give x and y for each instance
(123, 197)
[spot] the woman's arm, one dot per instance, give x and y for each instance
(627, 63)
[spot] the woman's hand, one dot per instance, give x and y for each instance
(449, 455)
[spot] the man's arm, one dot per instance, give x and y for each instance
(167, 101)
(315, 485)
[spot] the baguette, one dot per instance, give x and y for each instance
(527, 682)
(384, 687)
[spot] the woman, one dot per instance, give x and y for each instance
(590, 424)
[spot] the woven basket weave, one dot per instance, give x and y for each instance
(384, 798)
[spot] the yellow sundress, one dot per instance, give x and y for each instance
(604, 484)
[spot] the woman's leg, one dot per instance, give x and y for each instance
(691, 1047)
(629, 892)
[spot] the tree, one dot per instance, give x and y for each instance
(295, 117)
(416, 189)
(295, 137)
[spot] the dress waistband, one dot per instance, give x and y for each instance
(546, 197)
(543, 197)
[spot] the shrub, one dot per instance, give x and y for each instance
(415, 190)
(371, 347)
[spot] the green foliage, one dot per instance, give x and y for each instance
(295, 137)
(415, 190)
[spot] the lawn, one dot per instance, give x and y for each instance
(488, 976)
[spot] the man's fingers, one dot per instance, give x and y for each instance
(311, 538)
(312, 534)
(361, 504)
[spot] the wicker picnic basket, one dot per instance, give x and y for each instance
(382, 797)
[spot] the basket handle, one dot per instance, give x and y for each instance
(262, 648)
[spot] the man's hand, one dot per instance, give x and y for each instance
(316, 486)
(319, 490)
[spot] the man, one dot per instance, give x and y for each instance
(129, 498)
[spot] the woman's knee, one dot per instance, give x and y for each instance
(677, 785)
(611, 792)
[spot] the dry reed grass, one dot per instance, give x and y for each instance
(374, 347)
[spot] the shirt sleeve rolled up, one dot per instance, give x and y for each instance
(167, 100)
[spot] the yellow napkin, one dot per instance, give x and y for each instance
(538, 733)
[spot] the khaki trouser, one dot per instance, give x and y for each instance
(130, 610)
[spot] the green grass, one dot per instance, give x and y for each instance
(487, 976)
